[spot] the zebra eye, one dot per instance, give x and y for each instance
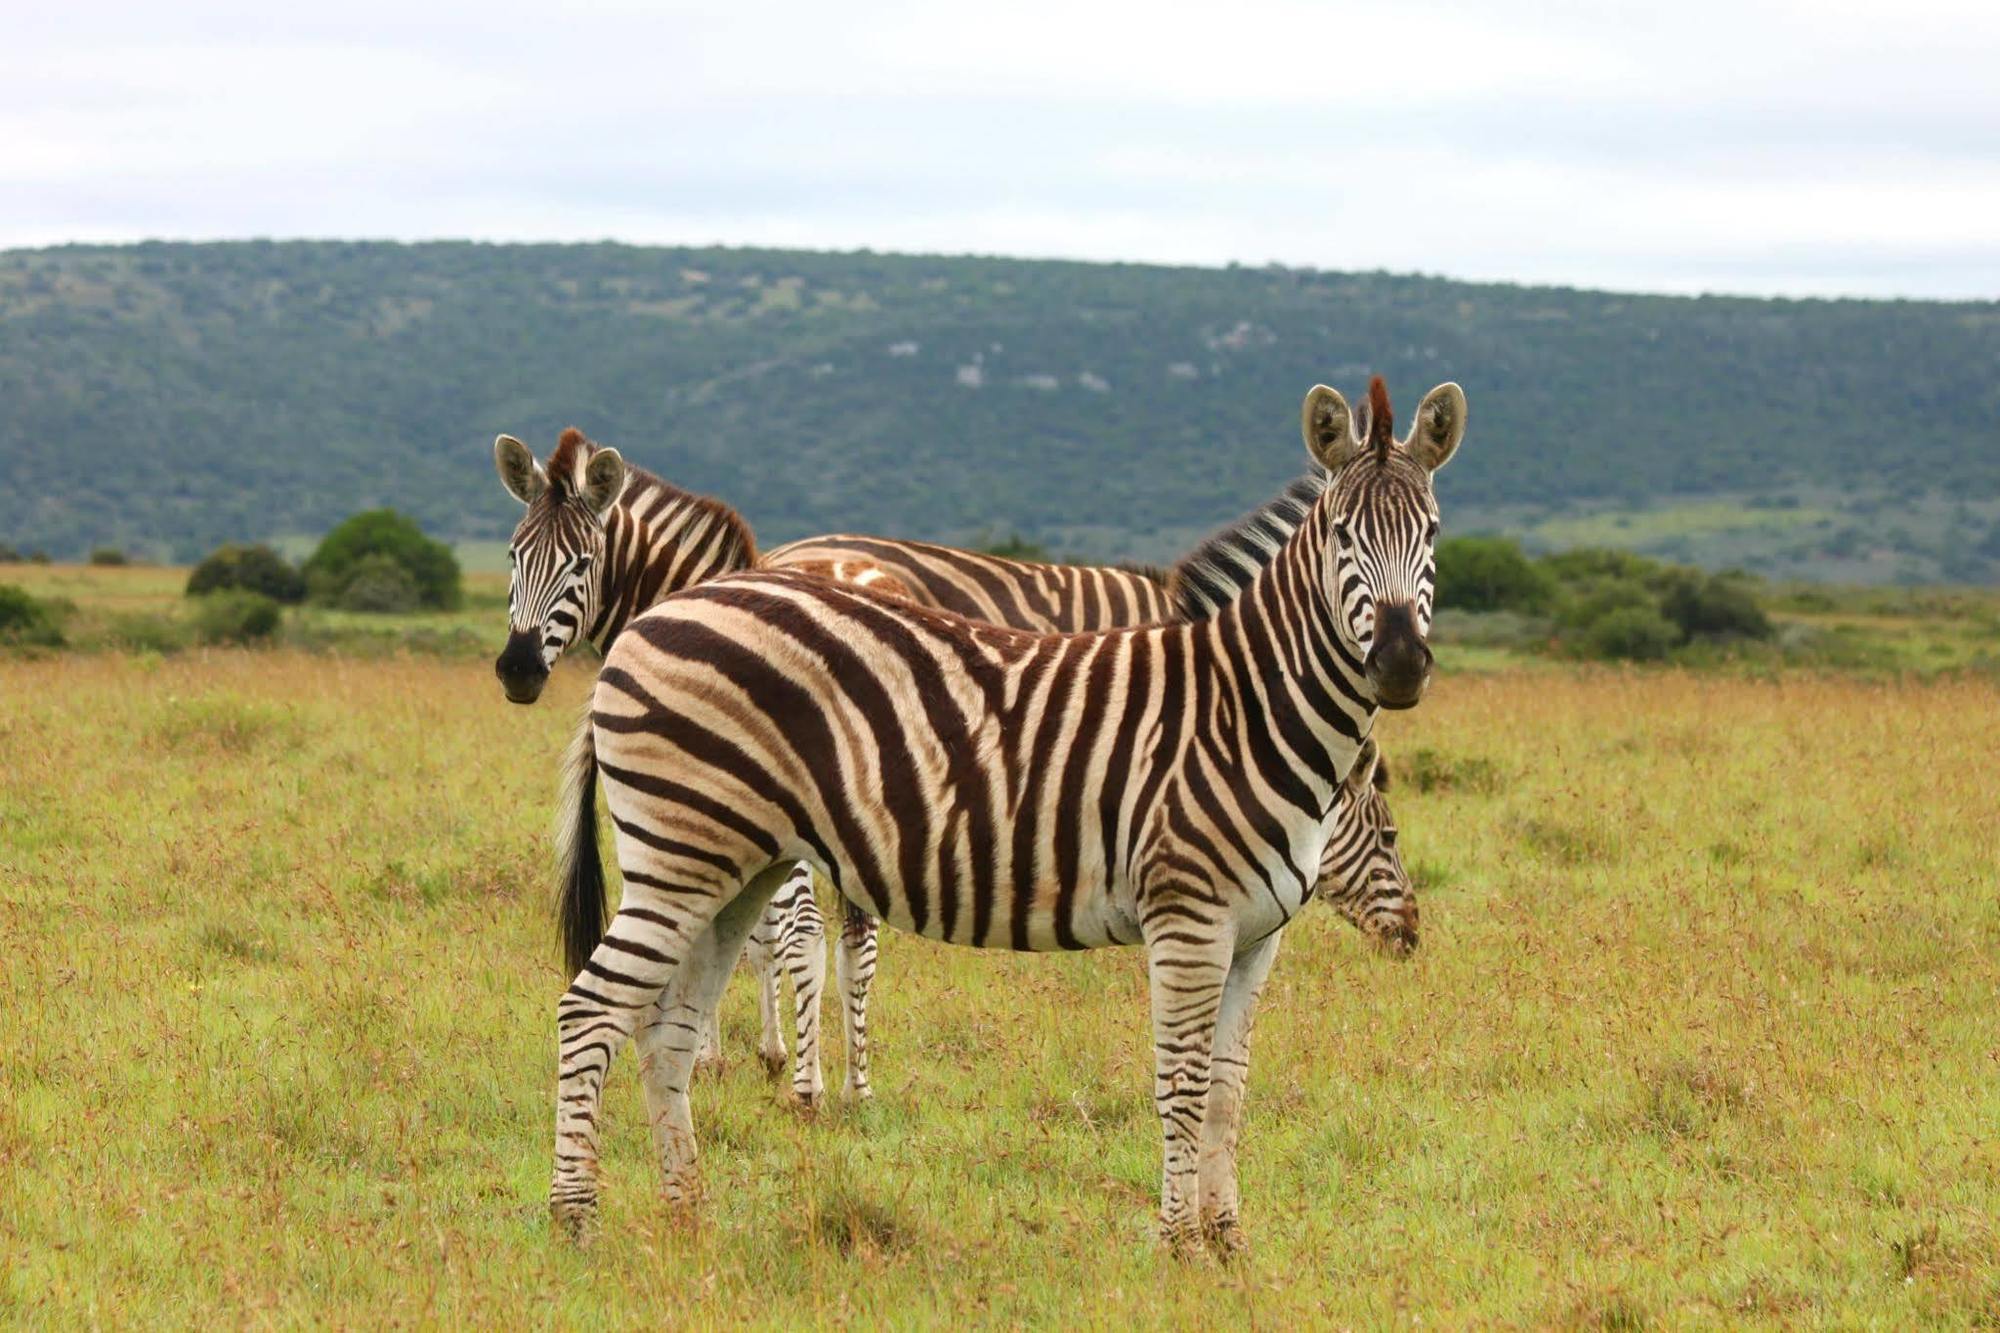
(1388, 837)
(1343, 534)
(1431, 532)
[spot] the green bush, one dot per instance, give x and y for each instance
(250, 568)
(430, 565)
(146, 632)
(1715, 606)
(9, 555)
(1631, 633)
(380, 585)
(1491, 574)
(108, 555)
(26, 622)
(1588, 607)
(236, 616)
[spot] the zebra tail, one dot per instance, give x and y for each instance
(579, 872)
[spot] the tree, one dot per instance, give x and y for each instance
(252, 568)
(343, 554)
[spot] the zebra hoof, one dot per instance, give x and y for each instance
(774, 1061)
(806, 1102)
(858, 1093)
(1184, 1243)
(575, 1219)
(1226, 1238)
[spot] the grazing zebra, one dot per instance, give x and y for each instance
(658, 539)
(1167, 786)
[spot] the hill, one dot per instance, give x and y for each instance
(165, 397)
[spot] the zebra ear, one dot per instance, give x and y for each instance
(1440, 425)
(1329, 427)
(519, 472)
(603, 480)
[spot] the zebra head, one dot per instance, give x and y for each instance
(1382, 564)
(556, 548)
(1361, 874)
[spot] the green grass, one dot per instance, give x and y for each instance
(1701, 1032)
(1642, 528)
(141, 608)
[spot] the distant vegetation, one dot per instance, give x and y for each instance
(256, 569)
(1602, 598)
(260, 391)
(382, 561)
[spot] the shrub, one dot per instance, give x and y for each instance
(1491, 574)
(377, 583)
(1605, 597)
(236, 616)
(1630, 633)
(25, 621)
(250, 568)
(108, 555)
(146, 632)
(9, 555)
(383, 532)
(1712, 607)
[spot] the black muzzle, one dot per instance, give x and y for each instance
(1399, 662)
(520, 668)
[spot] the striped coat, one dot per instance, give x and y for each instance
(1168, 786)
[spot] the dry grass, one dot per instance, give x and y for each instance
(1702, 1032)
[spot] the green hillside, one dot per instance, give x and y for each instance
(166, 397)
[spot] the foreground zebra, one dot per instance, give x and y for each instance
(1167, 786)
(655, 539)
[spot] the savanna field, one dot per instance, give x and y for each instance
(1701, 1031)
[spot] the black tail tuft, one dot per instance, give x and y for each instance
(580, 874)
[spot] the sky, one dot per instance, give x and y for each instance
(1799, 147)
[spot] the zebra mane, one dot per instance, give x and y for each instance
(663, 506)
(1216, 572)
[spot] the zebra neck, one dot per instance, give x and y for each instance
(657, 541)
(1292, 670)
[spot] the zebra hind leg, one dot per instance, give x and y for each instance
(684, 1012)
(762, 955)
(1229, 1070)
(802, 949)
(653, 933)
(854, 971)
(1187, 964)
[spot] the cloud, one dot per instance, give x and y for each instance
(1764, 147)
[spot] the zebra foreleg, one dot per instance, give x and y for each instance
(668, 1045)
(1229, 1068)
(854, 972)
(1186, 974)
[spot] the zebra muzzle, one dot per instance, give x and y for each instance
(520, 668)
(1399, 662)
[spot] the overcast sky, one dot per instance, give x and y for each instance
(1764, 146)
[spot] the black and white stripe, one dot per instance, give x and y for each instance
(1171, 786)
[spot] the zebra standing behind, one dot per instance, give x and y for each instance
(654, 539)
(1168, 786)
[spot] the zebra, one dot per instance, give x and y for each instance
(1166, 786)
(659, 539)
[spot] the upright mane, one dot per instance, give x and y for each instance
(661, 503)
(1216, 572)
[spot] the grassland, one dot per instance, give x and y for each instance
(1701, 1032)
